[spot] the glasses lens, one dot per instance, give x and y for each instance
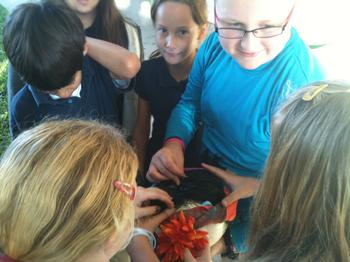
(268, 32)
(230, 33)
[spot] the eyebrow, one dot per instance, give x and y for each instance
(229, 21)
(177, 28)
(238, 23)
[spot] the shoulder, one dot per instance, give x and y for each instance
(149, 74)
(210, 51)
(152, 67)
(23, 106)
(211, 44)
(22, 100)
(305, 62)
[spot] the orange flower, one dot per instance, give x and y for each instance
(176, 234)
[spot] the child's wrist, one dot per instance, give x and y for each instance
(141, 232)
(175, 140)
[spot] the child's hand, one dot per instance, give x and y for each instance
(151, 223)
(242, 187)
(204, 257)
(167, 164)
(143, 195)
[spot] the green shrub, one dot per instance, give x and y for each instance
(4, 126)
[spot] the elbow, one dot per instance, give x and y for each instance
(132, 66)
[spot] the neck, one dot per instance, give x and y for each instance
(87, 19)
(66, 92)
(182, 70)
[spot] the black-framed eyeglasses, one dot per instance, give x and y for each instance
(238, 33)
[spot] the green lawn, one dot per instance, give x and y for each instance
(4, 126)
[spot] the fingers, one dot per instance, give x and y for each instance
(152, 222)
(188, 256)
(145, 211)
(232, 197)
(163, 215)
(154, 176)
(153, 193)
(204, 257)
(171, 166)
(163, 168)
(223, 174)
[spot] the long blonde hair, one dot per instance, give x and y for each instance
(302, 210)
(57, 196)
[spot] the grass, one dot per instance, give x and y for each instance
(4, 122)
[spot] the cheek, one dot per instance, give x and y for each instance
(95, 3)
(273, 49)
(159, 41)
(189, 45)
(71, 3)
(229, 45)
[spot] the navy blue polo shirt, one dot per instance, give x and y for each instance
(98, 100)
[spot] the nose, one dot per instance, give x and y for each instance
(249, 42)
(170, 41)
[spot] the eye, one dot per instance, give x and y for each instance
(182, 32)
(161, 30)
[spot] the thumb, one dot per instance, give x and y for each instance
(223, 174)
(163, 215)
(231, 198)
(146, 211)
(188, 256)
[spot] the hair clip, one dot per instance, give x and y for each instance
(315, 90)
(126, 188)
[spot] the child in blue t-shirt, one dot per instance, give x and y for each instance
(241, 74)
(45, 43)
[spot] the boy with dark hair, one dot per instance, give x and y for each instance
(45, 43)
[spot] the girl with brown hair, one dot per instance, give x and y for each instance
(302, 209)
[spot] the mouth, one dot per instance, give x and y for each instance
(171, 54)
(249, 54)
(83, 2)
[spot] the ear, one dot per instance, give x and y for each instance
(203, 30)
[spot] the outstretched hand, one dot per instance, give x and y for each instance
(242, 187)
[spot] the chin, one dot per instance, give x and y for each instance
(249, 65)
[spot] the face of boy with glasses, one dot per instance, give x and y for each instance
(253, 31)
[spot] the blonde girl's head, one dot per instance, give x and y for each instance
(302, 210)
(181, 26)
(57, 194)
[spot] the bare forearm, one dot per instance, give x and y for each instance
(140, 250)
(121, 63)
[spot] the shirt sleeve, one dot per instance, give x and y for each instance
(185, 116)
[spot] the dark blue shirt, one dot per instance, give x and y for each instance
(98, 100)
(162, 92)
